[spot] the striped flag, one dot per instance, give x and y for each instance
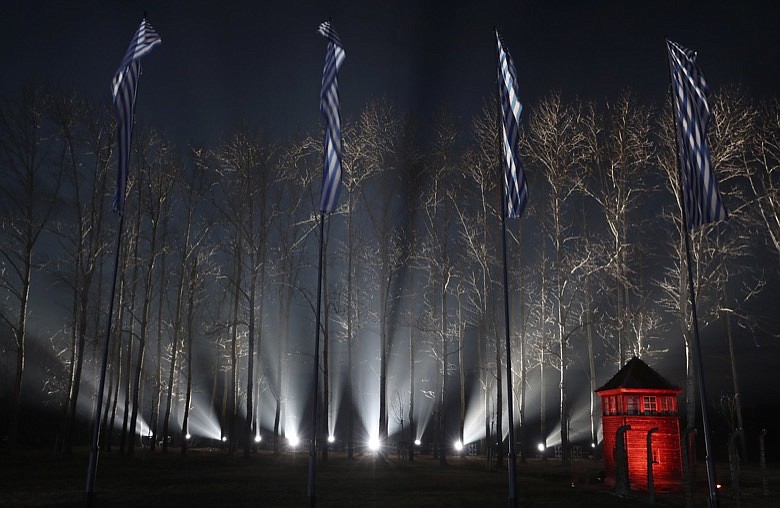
(701, 197)
(329, 105)
(514, 176)
(123, 88)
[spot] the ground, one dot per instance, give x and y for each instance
(207, 477)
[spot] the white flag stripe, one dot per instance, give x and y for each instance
(701, 197)
(123, 89)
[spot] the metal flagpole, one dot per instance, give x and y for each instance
(144, 40)
(512, 500)
(93, 450)
(705, 421)
(316, 376)
(513, 201)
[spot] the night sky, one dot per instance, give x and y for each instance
(223, 63)
(260, 63)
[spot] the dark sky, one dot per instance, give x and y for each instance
(260, 62)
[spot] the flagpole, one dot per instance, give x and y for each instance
(710, 460)
(512, 499)
(96, 423)
(316, 376)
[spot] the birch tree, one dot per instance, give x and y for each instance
(28, 199)
(556, 146)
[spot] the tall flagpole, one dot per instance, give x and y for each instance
(514, 197)
(705, 421)
(96, 420)
(331, 182)
(311, 490)
(512, 499)
(124, 88)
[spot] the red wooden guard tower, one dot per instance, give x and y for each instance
(637, 396)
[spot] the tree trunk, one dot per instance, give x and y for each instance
(412, 431)
(726, 319)
(383, 341)
(190, 337)
(443, 392)
(177, 332)
(499, 403)
(462, 372)
(232, 408)
(20, 334)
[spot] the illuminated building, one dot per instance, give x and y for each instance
(640, 398)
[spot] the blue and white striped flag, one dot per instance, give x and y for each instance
(329, 105)
(701, 197)
(123, 88)
(514, 177)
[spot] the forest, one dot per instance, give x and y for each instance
(213, 327)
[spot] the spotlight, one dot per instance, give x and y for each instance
(293, 440)
(187, 436)
(593, 445)
(458, 445)
(224, 439)
(374, 444)
(540, 447)
(331, 438)
(258, 438)
(417, 442)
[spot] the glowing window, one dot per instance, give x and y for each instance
(648, 403)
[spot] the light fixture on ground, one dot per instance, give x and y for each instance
(293, 440)
(224, 439)
(187, 436)
(540, 447)
(417, 442)
(331, 438)
(374, 444)
(458, 445)
(258, 438)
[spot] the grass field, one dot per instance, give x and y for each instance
(210, 478)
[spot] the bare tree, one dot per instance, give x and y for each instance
(193, 235)
(28, 198)
(437, 248)
(293, 227)
(731, 251)
(85, 136)
(556, 146)
(618, 151)
(195, 296)
(244, 163)
(155, 157)
(763, 168)
(380, 127)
